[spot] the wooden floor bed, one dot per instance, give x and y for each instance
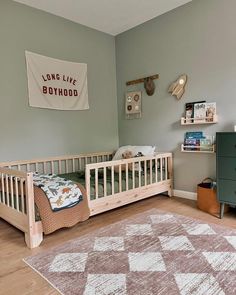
(109, 184)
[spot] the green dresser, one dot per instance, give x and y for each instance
(226, 169)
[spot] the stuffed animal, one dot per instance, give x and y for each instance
(137, 167)
(126, 155)
(139, 154)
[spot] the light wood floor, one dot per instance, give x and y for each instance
(17, 278)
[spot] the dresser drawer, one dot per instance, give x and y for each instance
(226, 144)
(226, 168)
(226, 191)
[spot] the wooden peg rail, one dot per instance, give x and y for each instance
(141, 80)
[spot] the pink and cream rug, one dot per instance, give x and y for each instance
(149, 254)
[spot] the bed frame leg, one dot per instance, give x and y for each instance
(170, 192)
(33, 240)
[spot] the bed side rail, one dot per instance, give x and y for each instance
(59, 165)
(17, 198)
(114, 177)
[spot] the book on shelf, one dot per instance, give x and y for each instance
(189, 110)
(206, 144)
(191, 144)
(194, 134)
(200, 112)
(210, 111)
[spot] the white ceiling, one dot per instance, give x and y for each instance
(109, 16)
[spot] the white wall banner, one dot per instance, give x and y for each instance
(56, 84)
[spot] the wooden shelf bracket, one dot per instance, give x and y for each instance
(141, 80)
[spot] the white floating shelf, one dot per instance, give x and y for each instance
(197, 149)
(197, 121)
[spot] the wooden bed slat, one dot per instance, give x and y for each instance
(52, 167)
(127, 176)
(67, 166)
(161, 168)
(112, 180)
(11, 192)
(150, 163)
(7, 190)
(166, 169)
(139, 173)
(44, 168)
(96, 183)
(120, 179)
(145, 172)
(156, 165)
(22, 196)
(105, 180)
(17, 193)
(59, 164)
(133, 174)
(2, 188)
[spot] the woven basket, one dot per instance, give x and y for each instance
(206, 197)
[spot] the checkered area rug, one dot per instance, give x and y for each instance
(154, 252)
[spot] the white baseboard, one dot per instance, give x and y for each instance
(185, 195)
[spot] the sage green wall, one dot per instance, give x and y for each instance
(31, 132)
(198, 39)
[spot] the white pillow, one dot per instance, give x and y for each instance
(146, 150)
